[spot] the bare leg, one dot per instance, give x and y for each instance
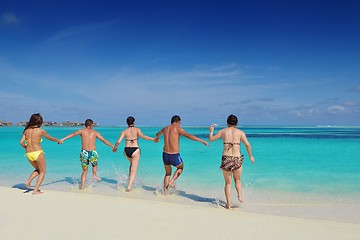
(33, 175)
(167, 178)
(238, 184)
(227, 188)
(83, 178)
(41, 163)
(177, 174)
(134, 163)
(94, 171)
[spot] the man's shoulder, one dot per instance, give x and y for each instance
(174, 126)
(94, 131)
(167, 128)
(87, 131)
(81, 130)
(180, 131)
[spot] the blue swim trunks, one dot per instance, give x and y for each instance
(172, 159)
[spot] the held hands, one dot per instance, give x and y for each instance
(114, 149)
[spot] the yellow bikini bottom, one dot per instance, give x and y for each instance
(33, 156)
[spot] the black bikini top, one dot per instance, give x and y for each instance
(131, 140)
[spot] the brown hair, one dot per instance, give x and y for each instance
(89, 122)
(175, 118)
(35, 121)
(232, 120)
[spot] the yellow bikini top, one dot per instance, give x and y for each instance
(28, 141)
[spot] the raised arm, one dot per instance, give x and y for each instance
(192, 137)
(211, 132)
(248, 147)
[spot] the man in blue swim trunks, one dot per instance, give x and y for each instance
(171, 155)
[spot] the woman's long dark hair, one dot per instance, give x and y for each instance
(35, 121)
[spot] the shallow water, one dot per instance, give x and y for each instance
(315, 167)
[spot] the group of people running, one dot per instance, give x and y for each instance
(231, 162)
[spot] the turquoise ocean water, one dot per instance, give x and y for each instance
(294, 165)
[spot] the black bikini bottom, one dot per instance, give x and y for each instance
(129, 151)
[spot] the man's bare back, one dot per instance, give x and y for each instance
(88, 138)
(171, 139)
(171, 150)
(172, 135)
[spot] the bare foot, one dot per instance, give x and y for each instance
(240, 199)
(37, 192)
(166, 190)
(172, 185)
(82, 187)
(228, 207)
(97, 178)
(27, 185)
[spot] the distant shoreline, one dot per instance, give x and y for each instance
(45, 123)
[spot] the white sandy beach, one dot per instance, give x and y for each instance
(67, 215)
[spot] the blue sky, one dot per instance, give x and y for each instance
(268, 62)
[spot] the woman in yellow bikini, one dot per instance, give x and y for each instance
(232, 159)
(30, 140)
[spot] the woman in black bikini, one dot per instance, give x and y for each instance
(132, 150)
(232, 159)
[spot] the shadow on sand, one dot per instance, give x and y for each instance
(22, 186)
(181, 193)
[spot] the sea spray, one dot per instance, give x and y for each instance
(75, 184)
